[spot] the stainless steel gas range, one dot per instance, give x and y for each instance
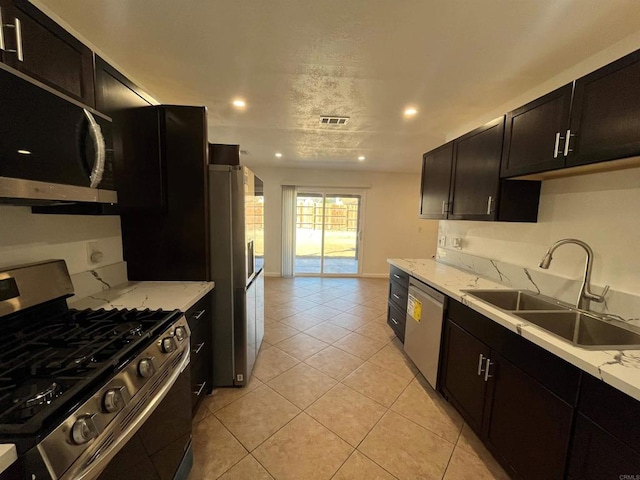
(88, 394)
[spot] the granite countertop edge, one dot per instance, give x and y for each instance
(167, 295)
(620, 368)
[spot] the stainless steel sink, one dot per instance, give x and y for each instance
(585, 330)
(575, 326)
(515, 300)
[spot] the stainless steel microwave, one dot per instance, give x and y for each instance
(53, 149)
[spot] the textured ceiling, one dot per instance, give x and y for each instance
(294, 60)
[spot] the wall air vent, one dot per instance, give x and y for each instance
(332, 120)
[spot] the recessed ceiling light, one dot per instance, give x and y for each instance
(410, 112)
(239, 103)
(24, 152)
(361, 158)
(278, 154)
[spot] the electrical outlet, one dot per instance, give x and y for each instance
(94, 254)
(442, 241)
(457, 243)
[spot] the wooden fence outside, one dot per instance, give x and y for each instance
(338, 217)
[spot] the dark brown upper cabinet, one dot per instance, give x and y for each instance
(136, 153)
(534, 139)
(40, 48)
(605, 118)
(437, 166)
(476, 173)
(596, 119)
(461, 181)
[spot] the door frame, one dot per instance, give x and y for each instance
(324, 191)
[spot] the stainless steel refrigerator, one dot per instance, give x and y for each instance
(236, 219)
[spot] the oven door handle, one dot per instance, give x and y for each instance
(100, 461)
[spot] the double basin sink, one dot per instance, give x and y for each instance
(582, 329)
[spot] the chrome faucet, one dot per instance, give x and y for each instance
(585, 295)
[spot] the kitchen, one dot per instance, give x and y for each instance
(568, 207)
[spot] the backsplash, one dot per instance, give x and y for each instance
(600, 209)
(527, 278)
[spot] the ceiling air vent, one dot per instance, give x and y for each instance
(331, 120)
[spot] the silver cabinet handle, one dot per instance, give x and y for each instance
(566, 142)
(394, 321)
(396, 296)
(98, 142)
(486, 370)
(197, 315)
(2, 46)
(480, 362)
(396, 275)
(489, 204)
(17, 26)
(198, 348)
(555, 150)
(443, 207)
(19, 52)
(200, 389)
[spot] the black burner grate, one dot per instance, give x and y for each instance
(47, 363)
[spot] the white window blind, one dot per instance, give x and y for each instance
(288, 230)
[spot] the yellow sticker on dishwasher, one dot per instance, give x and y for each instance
(414, 308)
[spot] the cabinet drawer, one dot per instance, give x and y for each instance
(200, 373)
(200, 313)
(399, 276)
(398, 294)
(396, 318)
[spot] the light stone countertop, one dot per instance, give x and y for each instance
(8, 455)
(620, 369)
(142, 295)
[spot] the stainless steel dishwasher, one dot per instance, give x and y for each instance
(423, 330)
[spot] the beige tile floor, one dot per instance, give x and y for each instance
(333, 396)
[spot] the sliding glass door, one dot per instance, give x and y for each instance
(328, 229)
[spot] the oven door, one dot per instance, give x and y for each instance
(161, 449)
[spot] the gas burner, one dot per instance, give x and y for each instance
(33, 397)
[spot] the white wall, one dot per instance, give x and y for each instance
(572, 72)
(391, 226)
(27, 237)
(603, 209)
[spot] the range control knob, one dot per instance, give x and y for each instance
(84, 429)
(181, 333)
(146, 368)
(168, 344)
(113, 400)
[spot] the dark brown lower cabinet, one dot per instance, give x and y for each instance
(527, 423)
(464, 385)
(598, 455)
(506, 389)
(200, 321)
(606, 441)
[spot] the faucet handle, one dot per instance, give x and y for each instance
(604, 291)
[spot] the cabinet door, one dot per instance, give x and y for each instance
(436, 180)
(48, 53)
(464, 359)
(476, 177)
(597, 455)
(526, 424)
(135, 140)
(534, 134)
(606, 113)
